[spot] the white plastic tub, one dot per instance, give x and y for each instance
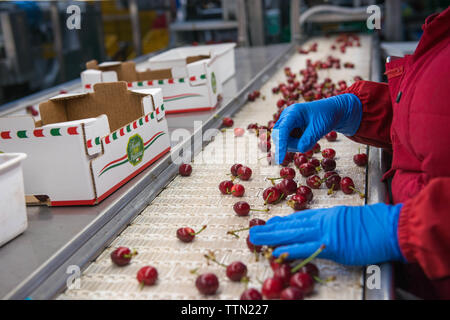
(13, 214)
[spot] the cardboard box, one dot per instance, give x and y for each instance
(87, 145)
(13, 214)
(197, 90)
(221, 58)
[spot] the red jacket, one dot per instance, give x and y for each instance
(411, 117)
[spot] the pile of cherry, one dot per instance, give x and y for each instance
(291, 280)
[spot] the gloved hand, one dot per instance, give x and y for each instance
(359, 235)
(342, 113)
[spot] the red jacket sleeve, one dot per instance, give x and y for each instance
(377, 114)
(424, 229)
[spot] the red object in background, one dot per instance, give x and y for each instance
(410, 117)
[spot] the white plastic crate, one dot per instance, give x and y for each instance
(13, 214)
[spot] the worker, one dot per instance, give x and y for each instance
(410, 117)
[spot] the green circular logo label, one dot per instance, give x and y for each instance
(135, 149)
(213, 82)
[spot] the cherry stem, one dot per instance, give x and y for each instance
(211, 257)
(357, 191)
(261, 210)
(256, 255)
(307, 260)
(194, 271)
(141, 285)
(196, 233)
(273, 179)
(268, 196)
(131, 254)
(330, 191)
(324, 281)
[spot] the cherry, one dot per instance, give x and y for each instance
(360, 159)
(225, 186)
(328, 153)
(287, 173)
(314, 182)
(237, 190)
(298, 202)
(306, 192)
(332, 181)
(252, 126)
(287, 159)
(271, 288)
(271, 195)
(256, 93)
(307, 169)
(288, 186)
(252, 247)
(251, 294)
(236, 271)
(147, 276)
(187, 234)
(185, 170)
(239, 132)
(283, 273)
(244, 173)
(275, 89)
(348, 186)
(256, 222)
(310, 269)
(242, 208)
(291, 293)
(207, 283)
(316, 148)
(281, 103)
(328, 164)
(251, 96)
(298, 161)
(227, 122)
(315, 162)
(234, 169)
(309, 154)
(122, 256)
(302, 281)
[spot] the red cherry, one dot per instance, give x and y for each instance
(207, 283)
(287, 159)
(315, 162)
(271, 288)
(283, 273)
(236, 271)
(147, 275)
(225, 186)
(244, 173)
(328, 164)
(251, 97)
(306, 192)
(332, 181)
(303, 281)
(122, 256)
(307, 169)
(234, 169)
(271, 195)
(239, 132)
(256, 93)
(275, 89)
(187, 234)
(281, 103)
(237, 190)
(251, 294)
(227, 122)
(309, 154)
(288, 186)
(360, 159)
(252, 126)
(328, 153)
(316, 148)
(256, 222)
(287, 173)
(291, 293)
(347, 185)
(298, 202)
(252, 247)
(241, 208)
(185, 170)
(310, 269)
(314, 182)
(298, 161)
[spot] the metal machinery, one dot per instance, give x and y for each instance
(38, 263)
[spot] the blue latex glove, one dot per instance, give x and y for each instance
(359, 235)
(342, 113)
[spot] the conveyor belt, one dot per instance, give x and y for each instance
(194, 201)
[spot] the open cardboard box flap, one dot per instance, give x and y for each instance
(113, 99)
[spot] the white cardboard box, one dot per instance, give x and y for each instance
(190, 81)
(88, 144)
(13, 214)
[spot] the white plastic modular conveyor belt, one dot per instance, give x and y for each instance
(196, 201)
